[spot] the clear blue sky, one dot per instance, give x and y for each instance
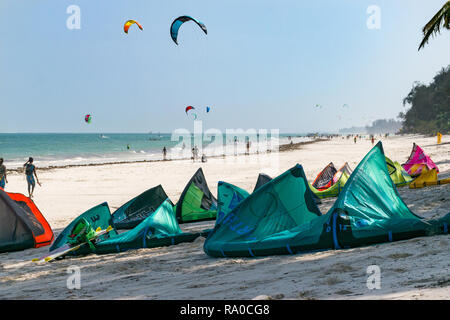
(263, 64)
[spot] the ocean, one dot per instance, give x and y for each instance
(63, 149)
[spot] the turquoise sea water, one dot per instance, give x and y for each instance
(72, 149)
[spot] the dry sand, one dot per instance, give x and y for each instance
(414, 269)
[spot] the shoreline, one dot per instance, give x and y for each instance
(282, 148)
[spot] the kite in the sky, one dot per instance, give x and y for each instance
(189, 108)
(208, 109)
(176, 24)
(318, 106)
(129, 23)
(88, 118)
(345, 106)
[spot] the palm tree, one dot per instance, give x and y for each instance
(434, 25)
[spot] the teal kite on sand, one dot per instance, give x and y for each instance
(228, 197)
(159, 229)
(282, 218)
(98, 217)
(139, 208)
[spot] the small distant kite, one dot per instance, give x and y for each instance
(345, 106)
(88, 118)
(129, 23)
(176, 24)
(189, 108)
(208, 109)
(318, 106)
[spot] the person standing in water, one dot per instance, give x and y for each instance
(3, 178)
(30, 169)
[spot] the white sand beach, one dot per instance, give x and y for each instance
(413, 269)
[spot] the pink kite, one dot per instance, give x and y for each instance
(418, 161)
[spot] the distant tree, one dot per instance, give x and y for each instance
(433, 27)
(430, 106)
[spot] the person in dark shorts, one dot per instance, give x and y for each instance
(3, 178)
(30, 170)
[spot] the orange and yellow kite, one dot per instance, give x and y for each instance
(129, 23)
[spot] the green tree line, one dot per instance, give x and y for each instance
(429, 110)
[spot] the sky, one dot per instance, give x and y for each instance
(263, 64)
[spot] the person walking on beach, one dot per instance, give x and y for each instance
(195, 153)
(3, 178)
(373, 140)
(354, 139)
(164, 153)
(30, 169)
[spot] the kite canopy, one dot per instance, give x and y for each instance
(196, 202)
(324, 179)
(129, 23)
(139, 208)
(337, 183)
(22, 224)
(98, 216)
(280, 217)
(263, 222)
(159, 229)
(229, 195)
(418, 161)
(344, 169)
(398, 175)
(208, 109)
(262, 180)
(189, 111)
(228, 198)
(176, 24)
(428, 178)
(369, 209)
(88, 118)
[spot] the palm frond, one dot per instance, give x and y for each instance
(442, 17)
